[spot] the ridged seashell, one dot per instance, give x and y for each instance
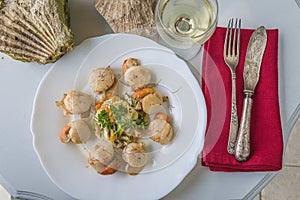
(127, 15)
(35, 30)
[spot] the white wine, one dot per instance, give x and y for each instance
(186, 21)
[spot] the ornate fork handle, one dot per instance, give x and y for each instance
(233, 118)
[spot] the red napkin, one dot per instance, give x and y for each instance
(266, 132)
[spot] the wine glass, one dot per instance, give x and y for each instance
(184, 25)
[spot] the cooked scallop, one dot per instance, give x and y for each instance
(103, 152)
(129, 62)
(135, 155)
(137, 77)
(96, 164)
(104, 159)
(152, 103)
(101, 79)
(106, 169)
(163, 116)
(77, 131)
(75, 102)
(116, 164)
(160, 129)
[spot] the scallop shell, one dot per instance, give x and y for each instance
(127, 15)
(35, 30)
(1, 4)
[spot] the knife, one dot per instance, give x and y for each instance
(254, 56)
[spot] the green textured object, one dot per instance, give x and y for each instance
(35, 30)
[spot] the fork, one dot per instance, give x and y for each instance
(231, 58)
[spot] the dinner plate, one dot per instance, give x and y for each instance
(67, 165)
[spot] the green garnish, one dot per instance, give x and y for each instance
(104, 120)
(124, 120)
(122, 117)
(142, 122)
(118, 112)
(132, 101)
(119, 124)
(119, 131)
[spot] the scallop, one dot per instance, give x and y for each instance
(35, 30)
(152, 103)
(135, 155)
(96, 164)
(77, 131)
(101, 156)
(129, 62)
(106, 160)
(101, 79)
(137, 77)
(160, 130)
(75, 102)
(103, 152)
(163, 116)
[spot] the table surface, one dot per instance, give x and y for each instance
(20, 170)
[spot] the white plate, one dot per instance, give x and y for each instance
(67, 166)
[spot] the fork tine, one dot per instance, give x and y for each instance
(234, 43)
(226, 41)
(238, 40)
(230, 36)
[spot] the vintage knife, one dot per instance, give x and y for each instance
(254, 56)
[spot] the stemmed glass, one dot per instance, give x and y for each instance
(184, 25)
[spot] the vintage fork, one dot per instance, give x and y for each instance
(231, 58)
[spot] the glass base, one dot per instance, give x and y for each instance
(186, 54)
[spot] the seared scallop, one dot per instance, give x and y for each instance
(101, 79)
(160, 129)
(151, 103)
(75, 102)
(96, 164)
(104, 159)
(129, 62)
(137, 77)
(77, 131)
(163, 116)
(103, 152)
(115, 164)
(135, 155)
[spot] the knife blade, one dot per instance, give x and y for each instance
(254, 56)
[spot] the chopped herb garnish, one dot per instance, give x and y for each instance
(104, 120)
(118, 121)
(118, 111)
(142, 122)
(132, 101)
(123, 119)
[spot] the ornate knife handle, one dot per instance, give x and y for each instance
(233, 119)
(242, 149)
